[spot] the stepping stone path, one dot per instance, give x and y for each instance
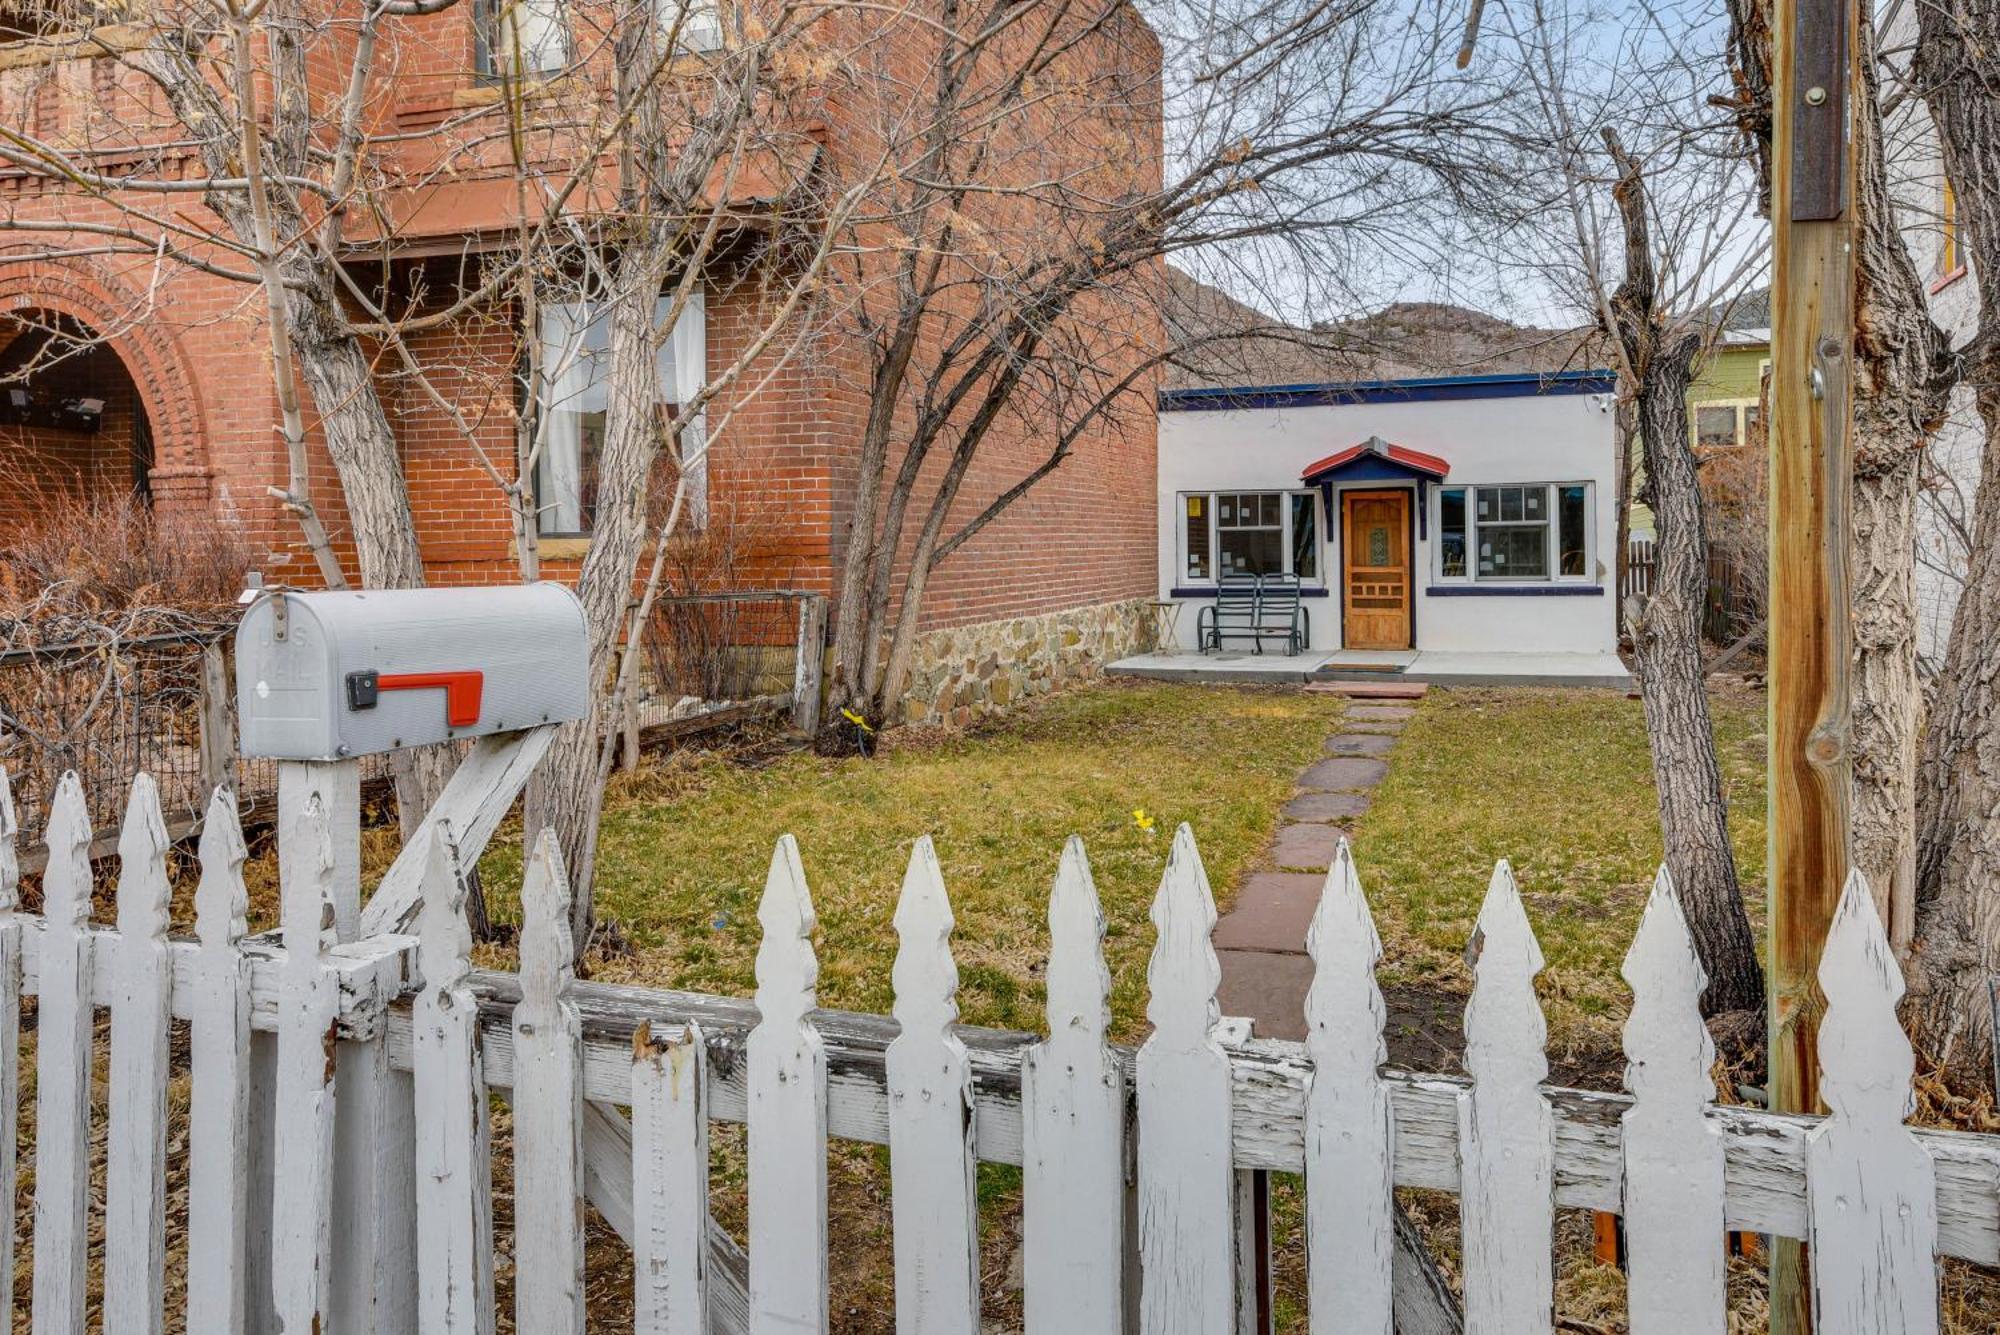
(1262, 939)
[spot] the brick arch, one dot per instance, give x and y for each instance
(151, 355)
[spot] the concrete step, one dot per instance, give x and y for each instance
(1322, 684)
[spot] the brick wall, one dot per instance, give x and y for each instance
(196, 352)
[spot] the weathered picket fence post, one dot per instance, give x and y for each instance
(670, 1243)
(454, 1182)
(1506, 1133)
(1073, 1128)
(1349, 1134)
(63, 1031)
(308, 1008)
(548, 1107)
(1186, 1185)
(787, 1097)
(1673, 1155)
(135, 1188)
(932, 1163)
(218, 1098)
(10, 1035)
(1871, 1189)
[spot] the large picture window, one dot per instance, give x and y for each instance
(575, 368)
(1518, 532)
(1236, 533)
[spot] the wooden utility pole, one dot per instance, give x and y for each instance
(1812, 409)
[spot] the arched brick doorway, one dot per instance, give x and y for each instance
(94, 393)
(71, 418)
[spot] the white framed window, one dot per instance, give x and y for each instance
(1723, 424)
(1514, 532)
(575, 369)
(1236, 533)
(521, 38)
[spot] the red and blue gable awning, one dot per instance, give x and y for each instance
(1376, 460)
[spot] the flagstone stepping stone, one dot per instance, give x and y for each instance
(1271, 912)
(1378, 713)
(1268, 987)
(1343, 772)
(1326, 806)
(1306, 845)
(1361, 744)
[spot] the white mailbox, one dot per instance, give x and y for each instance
(328, 676)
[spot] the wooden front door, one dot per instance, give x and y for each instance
(1375, 542)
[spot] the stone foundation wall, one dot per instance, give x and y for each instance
(964, 672)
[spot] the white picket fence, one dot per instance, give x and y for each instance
(353, 1073)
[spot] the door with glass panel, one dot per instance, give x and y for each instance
(1375, 539)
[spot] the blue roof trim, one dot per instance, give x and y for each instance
(1432, 389)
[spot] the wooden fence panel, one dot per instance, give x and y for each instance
(218, 1099)
(1673, 1153)
(1871, 1192)
(548, 1108)
(787, 1113)
(135, 1187)
(1349, 1134)
(1186, 1185)
(62, 1070)
(1073, 1128)
(454, 1164)
(933, 1200)
(302, 1158)
(10, 1036)
(670, 1226)
(1506, 1133)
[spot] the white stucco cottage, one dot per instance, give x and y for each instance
(1450, 527)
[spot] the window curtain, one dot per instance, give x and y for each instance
(569, 368)
(688, 348)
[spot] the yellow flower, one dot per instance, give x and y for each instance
(1142, 820)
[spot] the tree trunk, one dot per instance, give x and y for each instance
(1666, 642)
(1956, 957)
(566, 792)
(1902, 379)
(1666, 627)
(1957, 950)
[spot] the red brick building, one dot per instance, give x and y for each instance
(123, 371)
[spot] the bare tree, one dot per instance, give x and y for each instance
(1649, 240)
(1031, 197)
(1955, 69)
(624, 128)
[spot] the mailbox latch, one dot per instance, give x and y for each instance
(462, 691)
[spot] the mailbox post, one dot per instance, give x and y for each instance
(323, 681)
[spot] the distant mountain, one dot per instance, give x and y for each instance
(1234, 344)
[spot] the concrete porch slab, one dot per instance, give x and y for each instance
(1509, 668)
(1230, 665)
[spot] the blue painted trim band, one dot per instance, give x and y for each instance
(1515, 591)
(1208, 591)
(1429, 389)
